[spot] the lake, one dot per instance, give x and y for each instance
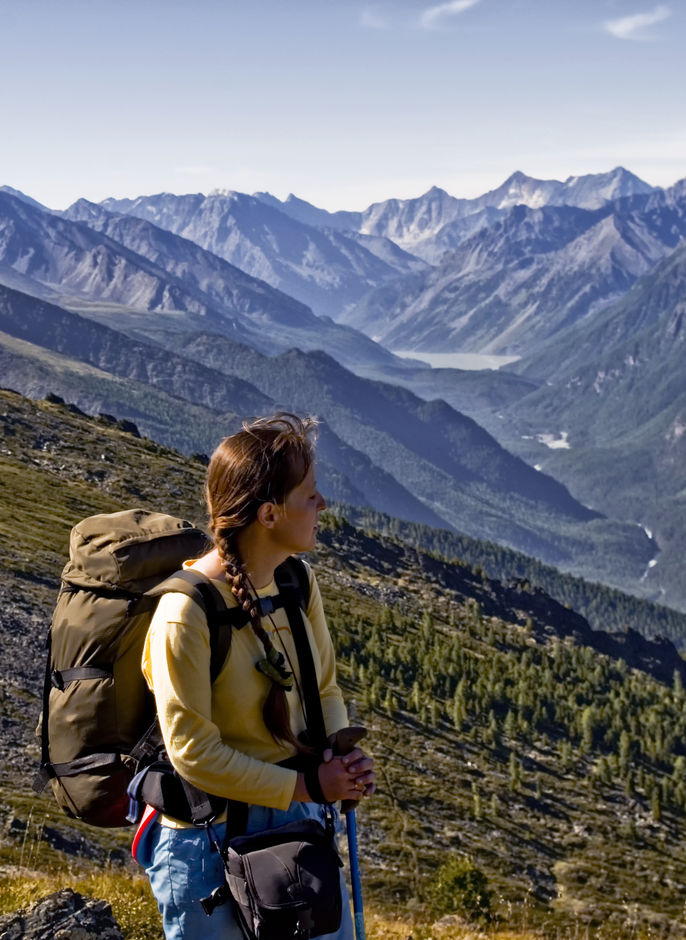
(471, 361)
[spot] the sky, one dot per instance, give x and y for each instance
(342, 103)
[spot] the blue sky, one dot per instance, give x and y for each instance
(343, 103)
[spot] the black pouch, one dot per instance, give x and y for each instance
(285, 882)
(160, 786)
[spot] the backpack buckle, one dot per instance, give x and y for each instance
(268, 605)
(56, 680)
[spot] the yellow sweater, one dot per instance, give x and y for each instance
(214, 734)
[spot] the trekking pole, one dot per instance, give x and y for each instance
(345, 742)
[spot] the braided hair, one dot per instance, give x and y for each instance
(261, 463)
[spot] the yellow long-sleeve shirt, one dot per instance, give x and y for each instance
(215, 735)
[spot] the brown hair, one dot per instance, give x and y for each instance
(261, 463)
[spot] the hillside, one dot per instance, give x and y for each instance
(617, 390)
(602, 607)
(441, 456)
(121, 270)
(383, 446)
(497, 730)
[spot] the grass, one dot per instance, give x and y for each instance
(133, 905)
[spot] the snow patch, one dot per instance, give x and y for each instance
(651, 565)
(676, 431)
(553, 442)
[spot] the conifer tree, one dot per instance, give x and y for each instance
(515, 772)
(655, 804)
(476, 801)
(390, 704)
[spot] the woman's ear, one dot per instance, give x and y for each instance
(268, 514)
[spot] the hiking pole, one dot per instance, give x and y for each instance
(346, 739)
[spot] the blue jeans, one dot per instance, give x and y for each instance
(183, 868)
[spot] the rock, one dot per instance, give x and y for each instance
(64, 915)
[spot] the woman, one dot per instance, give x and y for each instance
(229, 739)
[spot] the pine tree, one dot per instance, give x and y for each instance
(476, 801)
(515, 772)
(458, 712)
(588, 720)
(624, 753)
(655, 804)
(390, 704)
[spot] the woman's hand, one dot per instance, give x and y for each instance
(349, 777)
(353, 772)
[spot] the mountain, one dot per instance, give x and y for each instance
(20, 195)
(137, 277)
(325, 269)
(78, 262)
(585, 192)
(549, 267)
(617, 390)
(308, 214)
(503, 729)
(513, 286)
(435, 222)
(173, 398)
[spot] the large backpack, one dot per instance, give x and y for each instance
(98, 723)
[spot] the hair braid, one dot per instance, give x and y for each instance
(275, 711)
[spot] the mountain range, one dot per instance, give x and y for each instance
(191, 290)
(379, 448)
(536, 271)
(436, 222)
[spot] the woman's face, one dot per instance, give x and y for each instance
(296, 528)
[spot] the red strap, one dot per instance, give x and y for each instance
(147, 819)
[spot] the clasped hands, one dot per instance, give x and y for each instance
(348, 776)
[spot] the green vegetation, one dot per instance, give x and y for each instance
(460, 887)
(603, 607)
(129, 895)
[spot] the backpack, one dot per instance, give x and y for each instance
(98, 724)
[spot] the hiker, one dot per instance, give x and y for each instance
(241, 738)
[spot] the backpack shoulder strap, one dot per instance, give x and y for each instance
(220, 618)
(293, 573)
(294, 585)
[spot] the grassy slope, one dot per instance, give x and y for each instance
(607, 859)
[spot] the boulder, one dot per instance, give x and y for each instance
(64, 915)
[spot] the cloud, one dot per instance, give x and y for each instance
(636, 26)
(432, 17)
(371, 19)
